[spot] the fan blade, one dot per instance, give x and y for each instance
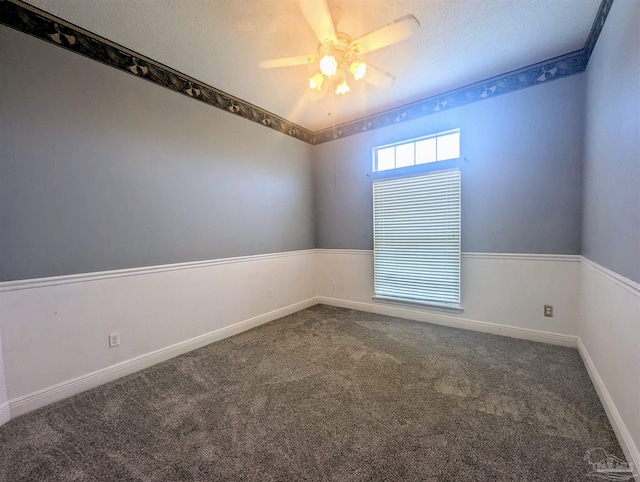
(287, 61)
(319, 18)
(378, 78)
(396, 31)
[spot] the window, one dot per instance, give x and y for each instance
(433, 148)
(416, 246)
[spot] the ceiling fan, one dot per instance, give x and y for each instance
(338, 55)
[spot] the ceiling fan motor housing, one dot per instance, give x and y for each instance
(342, 50)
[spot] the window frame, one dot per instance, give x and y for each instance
(414, 167)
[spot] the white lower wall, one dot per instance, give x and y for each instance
(55, 330)
(610, 347)
(501, 293)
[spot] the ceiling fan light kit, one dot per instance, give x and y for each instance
(328, 65)
(337, 50)
(335, 60)
(316, 81)
(341, 83)
(358, 69)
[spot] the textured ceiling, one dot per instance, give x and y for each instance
(220, 42)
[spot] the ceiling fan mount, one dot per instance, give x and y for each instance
(344, 42)
(339, 54)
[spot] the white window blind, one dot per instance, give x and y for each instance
(416, 224)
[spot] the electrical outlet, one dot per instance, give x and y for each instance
(333, 285)
(548, 311)
(270, 292)
(114, 339)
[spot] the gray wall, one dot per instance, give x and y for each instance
(611, 224)
(100, 170)
(521, 184)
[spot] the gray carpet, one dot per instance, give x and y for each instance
(327, 394)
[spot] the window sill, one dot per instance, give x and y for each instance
(423, 304)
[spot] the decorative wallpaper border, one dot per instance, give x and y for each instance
(530, 76)
(596, 28)
(38, 23)
(552, 69)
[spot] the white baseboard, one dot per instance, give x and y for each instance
(4, 413)
(454, 321)
(617, 423)
(40, 398)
